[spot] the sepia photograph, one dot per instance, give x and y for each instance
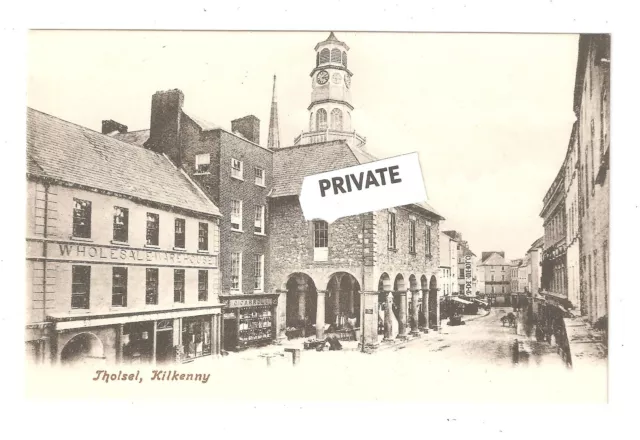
(318, 215)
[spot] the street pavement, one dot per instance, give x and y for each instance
(467, 363)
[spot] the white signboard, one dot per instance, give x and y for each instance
(363, 188)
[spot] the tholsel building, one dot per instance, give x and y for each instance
(376, 271)
(236, 172)
(122, 252)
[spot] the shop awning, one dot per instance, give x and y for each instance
(460, 300)
(481, 302)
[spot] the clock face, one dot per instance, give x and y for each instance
(323, 77)
(347, 81)
(336, 78)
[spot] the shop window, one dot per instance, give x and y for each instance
(120, 224)
(236, 215)
(178, 285)
(203, 163)
(81, 218)
(236, 270)
(203, 285)
(203, 236)
(119, 287)
(151, 297)
(259, 176)
(258, 273)
(391, 230)
(80, 286)
(153, 229)
(259, 220)
(412, 236)
(196, 337)
(320, 240)
(179, 237)
(236, 169)
(321, 120)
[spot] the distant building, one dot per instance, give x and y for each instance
(534, 273)
(497, 277)
(448, 265)
(466, 272)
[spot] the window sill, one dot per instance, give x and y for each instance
(203, 251)
(152, 246)
(237, 230)
(261, 234)
(179, 249)
(79, 311)
(258, 291)
(237, 178)
(120, 243)
(413, 253)
(88, 240)
(261, 185)
(202, 174)
(392, 249)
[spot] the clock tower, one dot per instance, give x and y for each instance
(330, 108)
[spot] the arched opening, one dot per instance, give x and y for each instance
(344, 59)
(336, 55)
(342, 306)
(413, 286)
(336, 119)
(311, 122)
(317, 59)
(302, 298)
(321, 119)
(384, 287)
(424, 297)
(324, 56)
(434, 319)
(85, 348)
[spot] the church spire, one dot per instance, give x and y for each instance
(273, 141)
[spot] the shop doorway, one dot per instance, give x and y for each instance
(164, 341)
(230, 334)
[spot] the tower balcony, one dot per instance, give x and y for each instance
(313, 137)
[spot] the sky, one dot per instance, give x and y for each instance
(489, 114)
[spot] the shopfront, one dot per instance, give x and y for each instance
(249, 320)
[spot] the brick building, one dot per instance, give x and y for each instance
(373, 271)
(122, 252)
(236, 172)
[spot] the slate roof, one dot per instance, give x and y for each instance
(292, 164)
(68, 152)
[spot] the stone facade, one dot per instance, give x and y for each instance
(591, 104)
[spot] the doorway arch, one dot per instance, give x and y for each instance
(342, 308)
(302, 299)
(84, 348)
(434, 319)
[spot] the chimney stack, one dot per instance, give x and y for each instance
(110, 126)
(248, 127)
(164, 133)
